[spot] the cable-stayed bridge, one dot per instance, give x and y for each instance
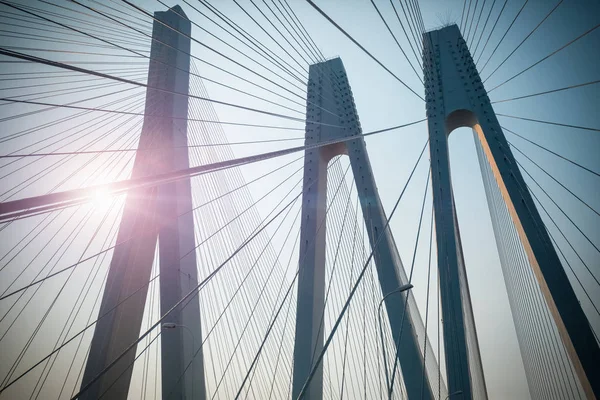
(190, 209)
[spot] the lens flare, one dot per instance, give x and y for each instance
(101, 199)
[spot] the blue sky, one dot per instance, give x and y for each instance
(382, 102)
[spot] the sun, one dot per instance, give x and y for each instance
(101, 199)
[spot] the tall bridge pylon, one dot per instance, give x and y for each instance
(150, 215)
(331, 114)
(455, 97)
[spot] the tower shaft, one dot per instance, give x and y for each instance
(154, 214)
(331, 114)
(455, 98)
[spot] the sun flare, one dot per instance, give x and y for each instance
(101, 199)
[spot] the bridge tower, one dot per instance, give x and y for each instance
(151, 215)
(331, 114)
(455, 97)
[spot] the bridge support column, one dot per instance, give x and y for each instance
(456, 98)
(311, 277)
(152, 214)
(332, 107)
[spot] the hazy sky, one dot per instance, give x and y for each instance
(382, 102)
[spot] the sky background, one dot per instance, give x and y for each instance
(381, 102)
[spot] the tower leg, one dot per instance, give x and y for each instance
(572, 324)
(311, 276)
(450, 262)
(129, 272)
(182, 373)
(390, 273)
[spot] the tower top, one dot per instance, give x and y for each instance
(177, 10)
(443, 28)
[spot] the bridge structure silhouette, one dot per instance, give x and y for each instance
(146, 254)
